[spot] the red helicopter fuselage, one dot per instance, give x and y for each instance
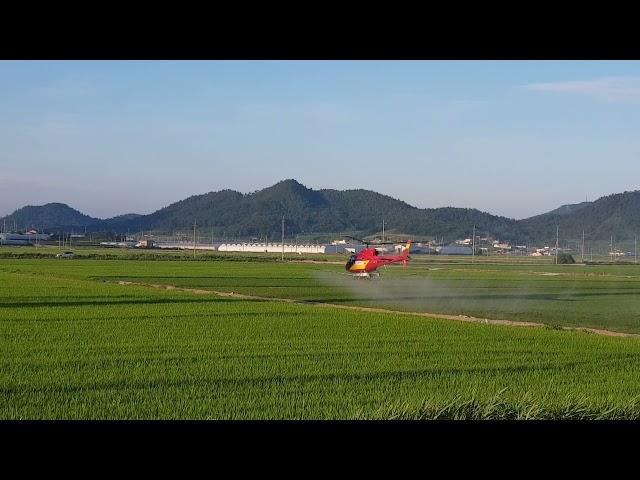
(369, 260)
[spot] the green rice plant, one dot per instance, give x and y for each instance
(76, 344)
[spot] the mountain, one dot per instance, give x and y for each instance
(260, 213)
(308, 211)
(615, 215)
(122, 218)
(567, 209)
(61, 217)
(49, 216)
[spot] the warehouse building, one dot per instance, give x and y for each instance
(455, 250)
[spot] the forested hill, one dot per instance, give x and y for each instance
(308, 211)
(51, 215)
(616, 215)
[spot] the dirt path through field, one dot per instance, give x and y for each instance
(463, 318)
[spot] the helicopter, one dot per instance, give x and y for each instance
(365, 263)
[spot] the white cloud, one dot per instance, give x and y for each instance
(607, 88)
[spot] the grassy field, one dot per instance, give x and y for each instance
(78, 345)
(602, 296)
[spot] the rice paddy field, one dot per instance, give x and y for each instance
(79, 343)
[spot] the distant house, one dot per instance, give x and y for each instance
(466, 241)
(146, 243)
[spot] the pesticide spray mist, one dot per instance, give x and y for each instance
(455, 296)
(407, 293)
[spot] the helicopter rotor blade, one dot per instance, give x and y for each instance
(354, 238)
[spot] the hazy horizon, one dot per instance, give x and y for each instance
(512, 138)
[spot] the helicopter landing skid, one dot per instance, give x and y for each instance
(367, 276)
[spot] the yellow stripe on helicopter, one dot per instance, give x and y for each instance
(359, 265)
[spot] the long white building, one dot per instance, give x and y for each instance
(277, 248)
(22, 239)
(25, 236)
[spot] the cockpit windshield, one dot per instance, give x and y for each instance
(350, 262)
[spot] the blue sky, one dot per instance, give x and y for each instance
(513, 138)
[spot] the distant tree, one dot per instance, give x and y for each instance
(565, 258)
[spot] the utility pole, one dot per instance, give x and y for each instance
(611, 248)
(635, 249)
(557, 230)
(283, 238)
(473, 251)
(382, 229)
(194, 239)
(582, 254)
